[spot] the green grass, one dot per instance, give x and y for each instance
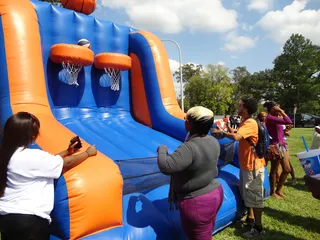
(298, 216)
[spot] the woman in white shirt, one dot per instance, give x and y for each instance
(26, 179)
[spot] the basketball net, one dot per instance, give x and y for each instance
(115, 76)
(72, 73)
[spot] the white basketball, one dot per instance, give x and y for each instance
(84, 43)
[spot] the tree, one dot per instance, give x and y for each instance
(188, 71)
(211, 89)
(259, 85)
(295, 70)
(54, 2)
(263, 85)
(240, 80)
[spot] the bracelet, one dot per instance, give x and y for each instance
(87, 153)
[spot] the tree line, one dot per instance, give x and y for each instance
(294, 80)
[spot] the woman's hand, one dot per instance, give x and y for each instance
(72, 161)
(217, 133)
(162, 146)
(92, 151)
(289, 127)
(279, 110)
(71, 150)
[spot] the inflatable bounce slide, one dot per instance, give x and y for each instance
(112, 86)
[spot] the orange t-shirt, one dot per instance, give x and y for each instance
(248, 129)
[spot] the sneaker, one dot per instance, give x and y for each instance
(294, 182)
(253, 233)
(247, 222)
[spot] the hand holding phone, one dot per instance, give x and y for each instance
(74, 140)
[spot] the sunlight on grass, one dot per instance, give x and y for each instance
(298, 216)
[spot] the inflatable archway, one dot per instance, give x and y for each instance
(120, 193)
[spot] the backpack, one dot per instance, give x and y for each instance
(261, 147)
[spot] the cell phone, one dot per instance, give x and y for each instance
(76, 139)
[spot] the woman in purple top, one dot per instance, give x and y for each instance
(278, 150)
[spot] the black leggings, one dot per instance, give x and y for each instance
(23, 227)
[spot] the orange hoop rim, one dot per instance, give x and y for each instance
(87, 7)
(116, 61)
(72, 54)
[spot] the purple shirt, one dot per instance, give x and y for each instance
(275, 128)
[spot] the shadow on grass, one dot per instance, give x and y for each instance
(299, 186)
(308, 223)
(272, 234)
(269, 235)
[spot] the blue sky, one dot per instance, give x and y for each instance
(234, 33)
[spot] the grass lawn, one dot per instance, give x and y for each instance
(296, 217)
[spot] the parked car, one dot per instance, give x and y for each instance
(305, 120)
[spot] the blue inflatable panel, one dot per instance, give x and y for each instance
(147, 216)
(60, 216)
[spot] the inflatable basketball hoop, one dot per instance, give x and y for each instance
(113, 64)
(73, 58)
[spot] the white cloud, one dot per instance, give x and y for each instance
(221, 63)
(238, 43)
(294, 18)
(173, 16)
(174, 66)
(260, 5)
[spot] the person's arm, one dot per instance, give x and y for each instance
(177, 162)
(245, 131)
(74, 160)
(284, 120)
(231, 135)
(230, 129)
(70, 150)
(64, 153)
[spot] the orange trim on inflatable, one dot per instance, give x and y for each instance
(118, 61)
(139, 99)
(71, 53)
(168, 95)
(95, 186)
